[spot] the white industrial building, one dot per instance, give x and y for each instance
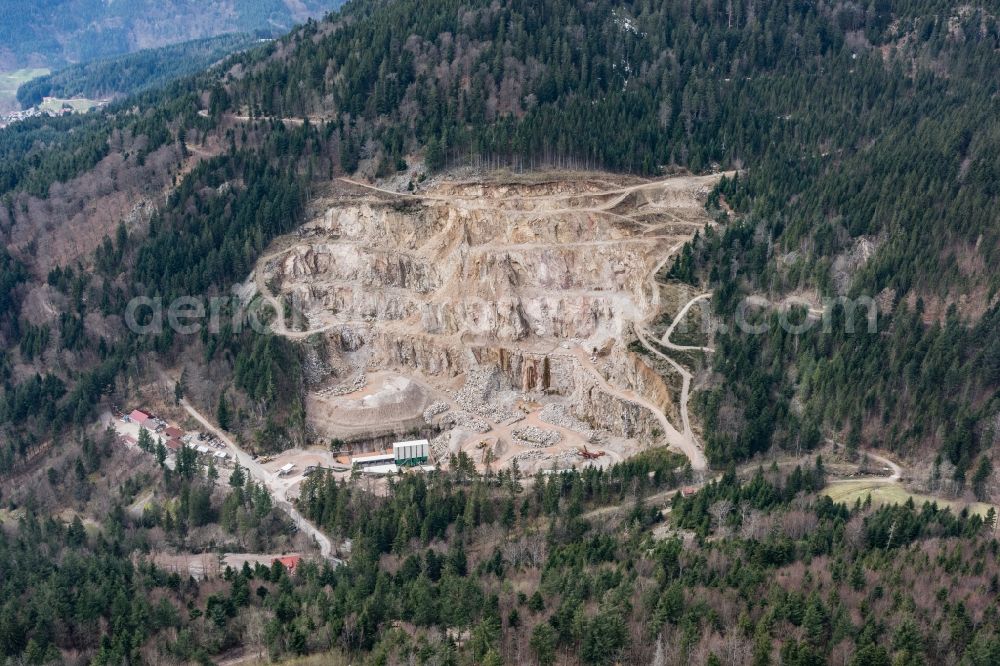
(386, 470)
(380, 470)
(411, 453)
(362, 462)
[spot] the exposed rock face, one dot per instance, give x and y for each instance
(530, 371)
(615, 415)
(472, 267)
(517, 278)
(424, 353)
(630, 371)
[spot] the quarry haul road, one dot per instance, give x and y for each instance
(269, 480)
(685, 390)
(665, 341)
(623, 191)
(278, 325)
(679, 440)
(685, 440)
(684, 372)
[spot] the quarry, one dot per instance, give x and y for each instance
(509, 318)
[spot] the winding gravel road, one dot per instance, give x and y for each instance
(665, 340)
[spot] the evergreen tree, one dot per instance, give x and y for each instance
(238, 477)
(161, 453)
(982, 478)
(145, 440)
(543, 644)
(222, 415)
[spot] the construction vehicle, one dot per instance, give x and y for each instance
(589, 455)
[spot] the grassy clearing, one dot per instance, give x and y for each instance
(893, 493)
(79, 104)
(11, 81)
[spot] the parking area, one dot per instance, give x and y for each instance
(291, 467)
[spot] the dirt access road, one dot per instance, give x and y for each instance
(894, 477)
(680, 440)
(278, 325)
(665, 340)
(665, 495)
(271, 481)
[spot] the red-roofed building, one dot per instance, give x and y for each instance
(173, 432)
(139, 418)
(174, 444)
(290, 562)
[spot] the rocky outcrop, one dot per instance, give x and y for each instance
(529, 371)
(631, 371)
(427, 354)
(615, 415)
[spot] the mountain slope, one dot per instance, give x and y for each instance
(867, 149)
(134, 72)
(856, 128)
(57, 32)
(850, 133)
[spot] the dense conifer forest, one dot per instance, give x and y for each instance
(851, 126)
(518, 570)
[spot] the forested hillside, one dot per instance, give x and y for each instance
(824, 99)
(132, 73)
(855, 126)
(504, 570)
(866, 141)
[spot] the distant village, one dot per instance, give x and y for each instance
(50, 108)
(33, 112)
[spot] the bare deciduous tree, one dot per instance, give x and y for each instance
(720, 510)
